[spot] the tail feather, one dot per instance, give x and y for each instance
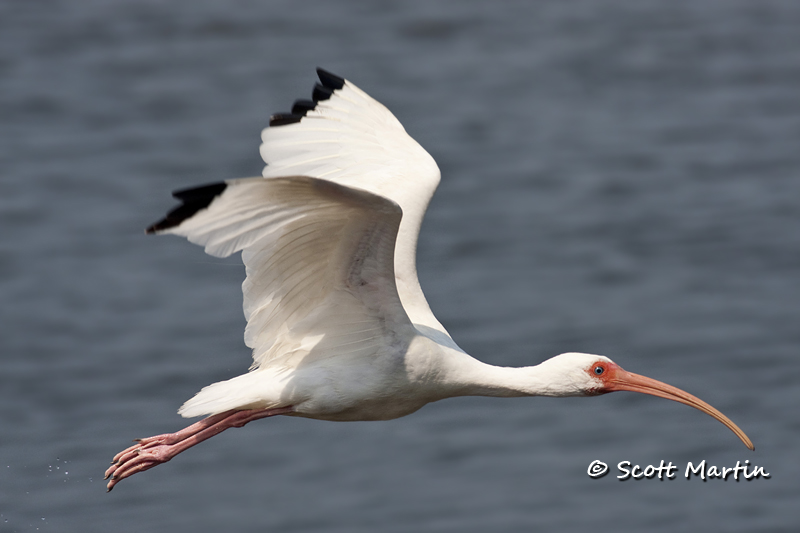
(248, 391)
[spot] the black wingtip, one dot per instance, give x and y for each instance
(321, 93)
(282, 119)
(330, 80)
(193, 199)
(301, 107)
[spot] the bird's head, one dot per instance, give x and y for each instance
(591, 375)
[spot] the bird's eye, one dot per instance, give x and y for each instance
(599, 370)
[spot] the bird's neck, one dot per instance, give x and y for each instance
(469, 377)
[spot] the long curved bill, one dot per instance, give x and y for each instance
(624, 380)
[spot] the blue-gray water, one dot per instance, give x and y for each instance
(618, 177)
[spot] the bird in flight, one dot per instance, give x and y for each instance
(338, 324)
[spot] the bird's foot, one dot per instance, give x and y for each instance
(143, 444)
(153, 451)
(142, 456)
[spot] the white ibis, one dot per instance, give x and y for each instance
(338, 324)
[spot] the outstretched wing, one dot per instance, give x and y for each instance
(319, 261)
(344, 136)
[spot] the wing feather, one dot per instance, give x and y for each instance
(319, 263)
(351, 139)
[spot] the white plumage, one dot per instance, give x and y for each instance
(319, 284)
(336, 319)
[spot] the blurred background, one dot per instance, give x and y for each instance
(618, 178)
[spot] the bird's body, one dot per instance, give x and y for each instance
(400, 378)
(336, 318)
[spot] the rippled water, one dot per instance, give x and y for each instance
(618, 177)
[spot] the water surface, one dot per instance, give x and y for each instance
(618, 178)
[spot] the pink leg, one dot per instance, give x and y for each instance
(153, 451)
